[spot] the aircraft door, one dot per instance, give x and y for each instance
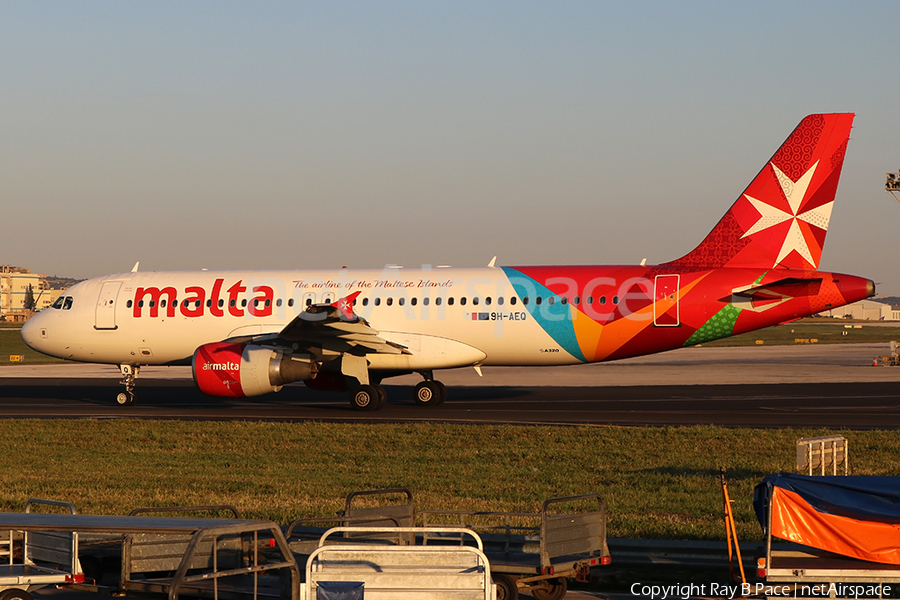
(105, 317)
(666, 300)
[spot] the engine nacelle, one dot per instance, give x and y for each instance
(241, 370)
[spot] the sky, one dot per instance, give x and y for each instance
(227, 135)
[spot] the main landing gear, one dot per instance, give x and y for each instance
(430, 392)
(129, 372)
(372, 396)
(368, 397)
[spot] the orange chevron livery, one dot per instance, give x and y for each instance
(248, 333)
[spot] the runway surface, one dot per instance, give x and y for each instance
(788, 386)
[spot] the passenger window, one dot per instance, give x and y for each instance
(413, 301)
(268, 302)
(425, 301)
(602, 299)
(577, 300)
(462, 301)
(615, 299)
(175, 302)
(365, 301)
(308, 302)
(277, 302)
(590, 299)
(500, 301)
(162, 303)
(437, 301)
(140, 304)
(377, 301)
(232, 302)
(58, 303)
(152, 303)
(243, 303)
(551, 300)
(538, 300)
(290, 302)
(402, 301)
(390, 301)
(525, 300)
(513, 301)
(564, 300)
(222, 303)
(487, 301)
(208, 303)
(475, 301)
(450, 301)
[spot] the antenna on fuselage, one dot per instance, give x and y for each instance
(491, 264)
(135, 267)
(643, 262)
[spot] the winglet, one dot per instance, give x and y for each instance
(345, 305)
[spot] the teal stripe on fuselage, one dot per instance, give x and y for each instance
(555, 319)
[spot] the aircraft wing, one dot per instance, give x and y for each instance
(337, 328)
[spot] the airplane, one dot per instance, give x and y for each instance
(248, 333)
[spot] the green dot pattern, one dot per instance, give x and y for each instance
(719, 326)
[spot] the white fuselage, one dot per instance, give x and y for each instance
(445, 317)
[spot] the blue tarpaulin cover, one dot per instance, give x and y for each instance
(339, 590)
(868, 498)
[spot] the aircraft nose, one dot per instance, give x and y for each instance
(32, 332)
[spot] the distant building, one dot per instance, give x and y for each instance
(14, 282)
(865, 310)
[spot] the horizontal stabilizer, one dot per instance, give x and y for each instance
(789, 287)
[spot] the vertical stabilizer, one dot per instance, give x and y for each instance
(781, 219)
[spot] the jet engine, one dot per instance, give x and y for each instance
(240, 370)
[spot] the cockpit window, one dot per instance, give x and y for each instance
(67, 304)
(58, 303)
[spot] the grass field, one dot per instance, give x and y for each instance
(11, 344)
(824, 331)
(657, 482)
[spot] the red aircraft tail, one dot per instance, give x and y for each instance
(781, 219)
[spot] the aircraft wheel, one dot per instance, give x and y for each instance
(382, 395)
(365, 397)
(556, 590)
(428, 393)
(15, 594)
(123, 399)
(506, 586)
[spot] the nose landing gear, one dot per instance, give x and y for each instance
(129, 373)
